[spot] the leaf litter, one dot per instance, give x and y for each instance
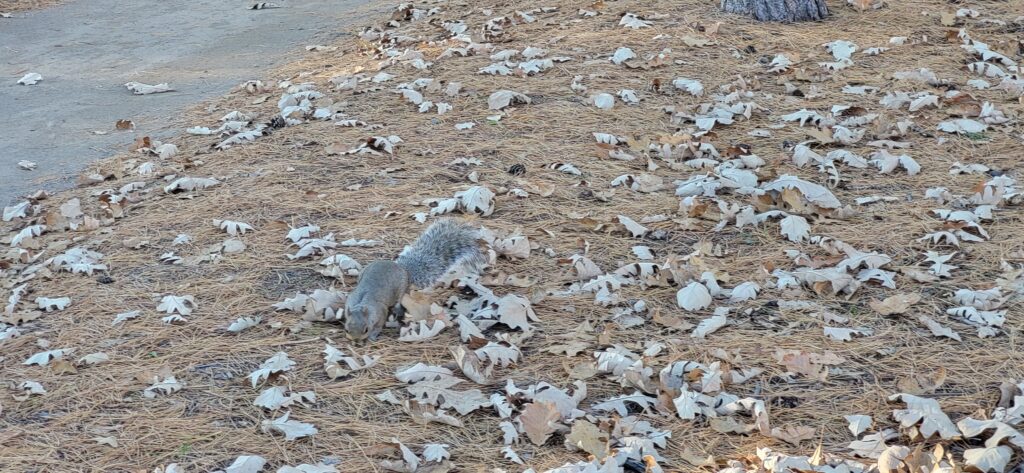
(795, 292)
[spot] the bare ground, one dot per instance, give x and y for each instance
(86, 55)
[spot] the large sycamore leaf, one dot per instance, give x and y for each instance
(517, 246)
(710, 325)
(563, 401)
(291, 429)
(433, 385)
(691, 404)
(50, 304)
(988, 459)
(244, 323)
(138, 88)
(18, 210)
(962, 125)
(618, 403)
(30, 79)
(938, 329)
(275, 364)
(308, 468)
(631, 21)
(589, 438)
(187, 184)
(813, 365)
(1001, 431)
(603, 101)
(538, 421)
(333, 359)
(275, 398)
(43, 358)
(95, 358)
(422, 372)
(167, 385)
(858, 423)
(409, 463)
(891, 459)
(499, 354)
(512, 310)
(511, 455)
(471, 365)
(634, 228)
(928, 413)
(247, 464)
(300, 233)
(232, 227)
(504, 98)
(586, 268)
(795, 228)
(272, 398)
(896, 304)
(816, 194)
(622, 55)
(180, 304)
(871, 445)
(477, 200)
(421, 331)
(793, 434)
(425, 413)
(695, 296)
(693, 87)
(436, 452)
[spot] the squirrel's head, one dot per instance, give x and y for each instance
(358, 322)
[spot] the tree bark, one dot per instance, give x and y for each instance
(778, 10)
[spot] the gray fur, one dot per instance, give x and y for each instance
(445, 245)
(380, 287)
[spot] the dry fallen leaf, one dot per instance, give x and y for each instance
(896, 304)
(538, 421)
(139, 88)
(694, 296)
(30, 79)
(858, 423)
(275, 364)
(928, 413)
(988, 459)
(291, 429)
(918, 384)
(794, 434)
(505, 98)
(589, 438)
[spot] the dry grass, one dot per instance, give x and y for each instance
(287, 179)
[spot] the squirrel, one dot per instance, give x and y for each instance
(445, 245)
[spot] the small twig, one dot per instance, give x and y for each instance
(297, 342)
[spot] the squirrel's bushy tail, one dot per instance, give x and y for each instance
(446, 244)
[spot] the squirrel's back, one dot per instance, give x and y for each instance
(447, 243)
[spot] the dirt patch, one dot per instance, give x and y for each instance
(86, 55)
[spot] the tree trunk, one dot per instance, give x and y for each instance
(778, 10)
